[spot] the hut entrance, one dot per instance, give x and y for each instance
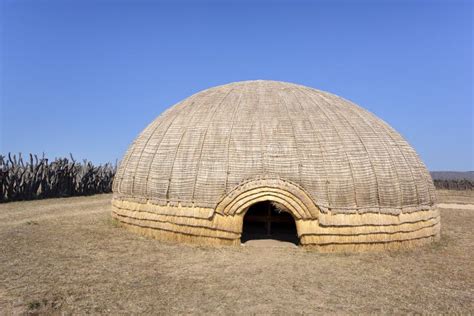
(264, 221)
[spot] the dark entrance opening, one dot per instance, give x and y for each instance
(265, 221)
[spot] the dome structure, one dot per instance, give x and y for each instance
(349, 181)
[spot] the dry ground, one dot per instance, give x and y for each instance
(451, 196)
(68, 256)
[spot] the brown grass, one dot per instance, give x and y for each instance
(69, 256)
(455, 196)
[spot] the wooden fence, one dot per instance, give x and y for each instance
(463, 184)
(37, 177)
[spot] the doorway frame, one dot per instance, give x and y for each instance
(292, 196)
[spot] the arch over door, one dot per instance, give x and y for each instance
(288, 194)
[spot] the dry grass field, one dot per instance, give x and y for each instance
(67, 256)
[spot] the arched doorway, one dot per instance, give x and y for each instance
(284, 197)
(263, 220)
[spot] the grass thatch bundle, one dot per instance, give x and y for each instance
(347, 178)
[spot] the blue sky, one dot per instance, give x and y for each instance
(87, 76)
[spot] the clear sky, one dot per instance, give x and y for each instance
(87, 76)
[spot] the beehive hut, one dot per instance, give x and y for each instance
(349, 181)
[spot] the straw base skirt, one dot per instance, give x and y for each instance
(327, 233)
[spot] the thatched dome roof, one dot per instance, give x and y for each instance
(345, 158)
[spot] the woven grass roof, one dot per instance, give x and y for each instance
(345, 158)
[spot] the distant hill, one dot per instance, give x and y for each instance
(452, 175)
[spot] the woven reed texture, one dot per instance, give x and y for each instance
(346, 159)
